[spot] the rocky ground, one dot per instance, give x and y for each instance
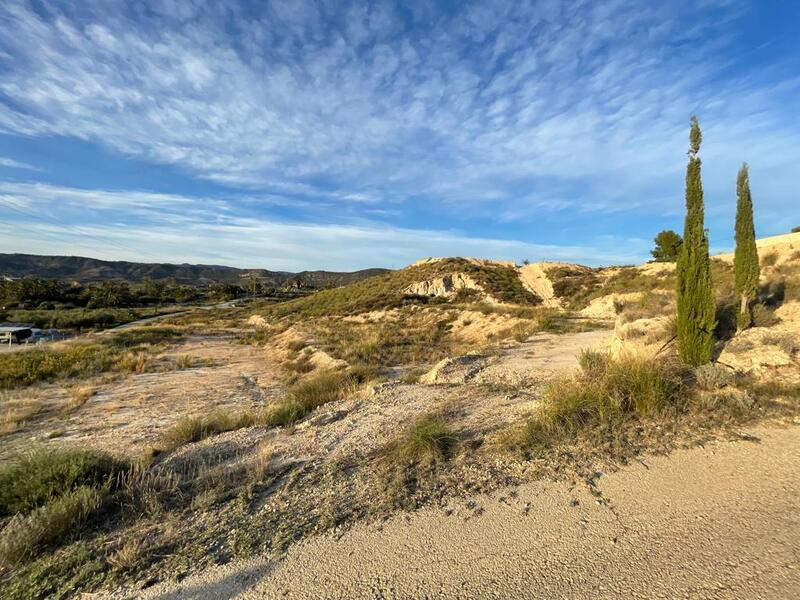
(719, 521)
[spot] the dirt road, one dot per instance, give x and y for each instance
(715, 522)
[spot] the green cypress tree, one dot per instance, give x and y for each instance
(696, 320)
(745, 259)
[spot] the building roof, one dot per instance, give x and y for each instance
(12, 327)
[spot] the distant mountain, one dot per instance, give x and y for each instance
(85, 270)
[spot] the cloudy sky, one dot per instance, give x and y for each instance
(343, 135)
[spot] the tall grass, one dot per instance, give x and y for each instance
(51, 495)
(26, 535)
(31, 480)
(606, 391)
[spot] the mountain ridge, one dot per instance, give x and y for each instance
(90, 270)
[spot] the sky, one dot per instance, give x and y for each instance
(344, 135)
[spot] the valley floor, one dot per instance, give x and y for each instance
(720, 521)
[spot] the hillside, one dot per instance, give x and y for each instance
(458, 386)
(440, 279)
(86, 270)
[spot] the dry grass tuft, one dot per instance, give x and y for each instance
(25, 536)
(79, 395)
(605, 392)
(415, 457)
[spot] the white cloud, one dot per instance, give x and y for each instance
(144, 226)
(594, 93)
(10, 163)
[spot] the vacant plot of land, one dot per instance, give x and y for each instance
(714, 522)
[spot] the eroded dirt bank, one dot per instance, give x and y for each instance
(716, 522)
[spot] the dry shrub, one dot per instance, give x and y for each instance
(785, 341)
(763, 316)
(79, 395)
(769, 259)
(133, 362)
(606, 391)
(193, 429)
(712, 377)
(129, 552)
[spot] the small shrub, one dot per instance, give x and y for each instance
(735, 401)
(415, 456)
(79, 395)
(183, 362)
(193, 429)
(593, 364)
(785, 341)
(713, 377)
(296, 345)
(32, 480)
(128, 554)
(133, 362)
(769, 260)
(763, 316)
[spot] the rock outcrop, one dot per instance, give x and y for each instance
(446, 286)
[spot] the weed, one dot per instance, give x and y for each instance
(79, 395)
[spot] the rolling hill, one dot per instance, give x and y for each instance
(85, 270)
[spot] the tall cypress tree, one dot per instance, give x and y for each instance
(695, 293)
(745, 259)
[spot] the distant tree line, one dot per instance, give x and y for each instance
(37, 293)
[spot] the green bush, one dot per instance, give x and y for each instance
(32, 480)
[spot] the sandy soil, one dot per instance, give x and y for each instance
(716, 522)
(124, 414)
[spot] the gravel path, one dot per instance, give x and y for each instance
(715, 522)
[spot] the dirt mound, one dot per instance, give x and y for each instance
(459, 369)
(784, 247)
(475, 327)
(606, 307)
(292, 341)
(772, 352)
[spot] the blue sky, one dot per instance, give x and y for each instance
(342, 135)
